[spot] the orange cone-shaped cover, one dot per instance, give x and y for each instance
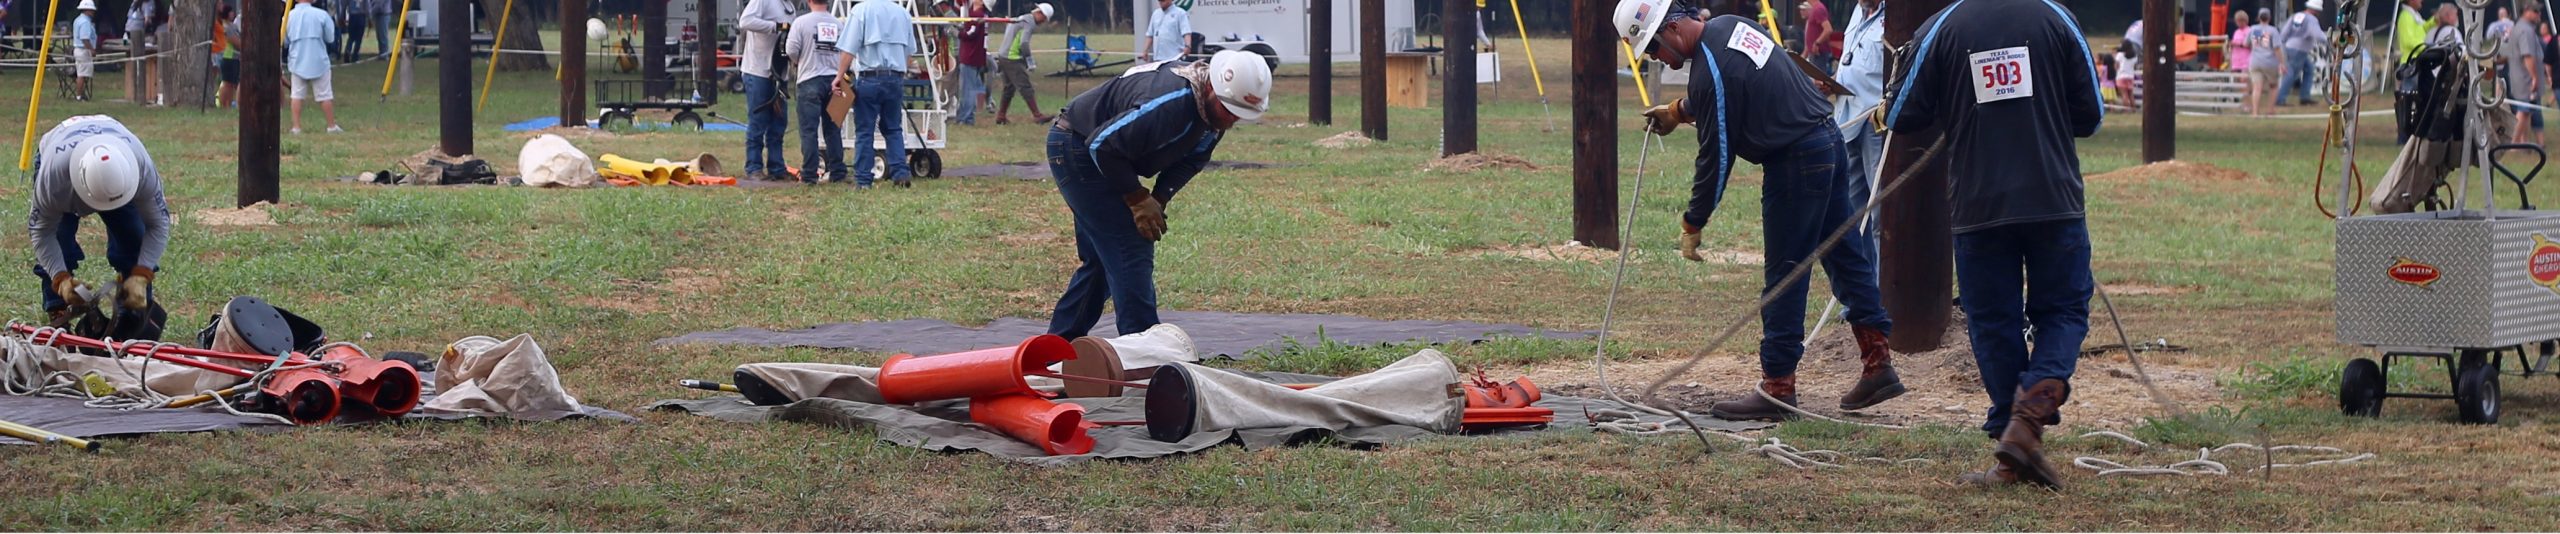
(1057, 428)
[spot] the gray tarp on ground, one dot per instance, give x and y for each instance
(69, 417)
(1217, 333)
(944, 426)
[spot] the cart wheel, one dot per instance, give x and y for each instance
(736, 83)
(925, 163)
(687, 120)
(2475, 388)
(2360, 388)
(615, 120)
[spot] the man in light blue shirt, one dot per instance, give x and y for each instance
(308, 32)
(1861, 71)
(1168, 33)
(878, 36)
(384, 12)
(84, 49)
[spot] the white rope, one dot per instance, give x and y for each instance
(66, 61)
(2204, 464)
(24, 364)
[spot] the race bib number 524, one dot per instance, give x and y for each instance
(2001, 75)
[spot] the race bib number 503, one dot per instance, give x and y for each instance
(2001, 75)
(1751, 44)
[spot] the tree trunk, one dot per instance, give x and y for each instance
(524, 33)
(188, 76)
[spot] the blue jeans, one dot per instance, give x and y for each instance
(817, 131)
(382, 31)
(2297, 76)
(879, 106)
(124, 248)
(1119, 264)
(1809, 192)
(973, 86)
(1866, 156)
(766, 126)
(2050, 260)
(353, 40)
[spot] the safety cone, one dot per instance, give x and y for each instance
(1058, 429)
(907, 379)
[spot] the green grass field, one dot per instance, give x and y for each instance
(596, 275)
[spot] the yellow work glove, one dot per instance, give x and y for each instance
(69, 289)
(1666, 118)
(1149, 214)
(135, 289)
(1689, 238)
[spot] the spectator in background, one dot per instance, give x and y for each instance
(1015, 63)
(973, 64)
(2266, 65)
(2128, 68)
(137, 27)
(2237, 49)
(2448, 27)
(4, 18)
(308, 32)
(2498, 28)
(84, 49)
(226, 51)
(2300, 36)
(384, 14)
(761, 25)
(2523, 51)
(1822, 42)
(878, 36)
(2551, 59)
(352, 17)
(1168, 33)
(2409, 31)
(812, 47)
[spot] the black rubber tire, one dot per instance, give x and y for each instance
(2360, 388)
(2475, 389)
(925, 163)
(687, 120)
(735, 83)
(614, 120)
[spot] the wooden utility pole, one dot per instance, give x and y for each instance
(261, 102)
(653, 48)
(573, 63)
(1916, 252)
(2160, 87)
(1320, 61)
(1458, 77)
(1595, 125)
(189, 78)
(453, 76)
(1373, 69)
(706, 66)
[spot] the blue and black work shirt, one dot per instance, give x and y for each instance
(1749, 101)
(2015, 80)
(1144, 123)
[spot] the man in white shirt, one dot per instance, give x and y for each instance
(761, 26)
(1168, 33)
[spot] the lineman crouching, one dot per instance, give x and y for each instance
(2012, 84)
(93, 165)
(1749, 100)
(1160, 119)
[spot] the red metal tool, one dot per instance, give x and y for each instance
(309, 396)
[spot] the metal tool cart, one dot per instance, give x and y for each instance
(621, 100)
(2465, 282)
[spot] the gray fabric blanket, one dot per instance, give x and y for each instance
(1217, 333)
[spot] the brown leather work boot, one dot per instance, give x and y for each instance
(1997, 475)
(2021, 447)
(1876, 380)
(1752, 407)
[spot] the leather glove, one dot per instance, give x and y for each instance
(69, 289)
(1689, 238)
(1666, 118)
(1149, 214)
(134, 292)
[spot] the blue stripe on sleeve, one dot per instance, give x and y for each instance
(1095, 149)
(1913, 72)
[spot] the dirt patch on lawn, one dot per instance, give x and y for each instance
(2142, 289)
(1945, 385)
(2174, 170)
(1345, 140)
(642, 297)
(1472, 162)
(1035, 238)
(1571, 251)
(251, 215)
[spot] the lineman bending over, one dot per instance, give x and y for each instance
(1749, 100)
(2011, 81)
(1160, 119)
(93, 165)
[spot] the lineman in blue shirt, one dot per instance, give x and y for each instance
(877, 37)
(1160, 119)
(1749, 101)
(2012, 84)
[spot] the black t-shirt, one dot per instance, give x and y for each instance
(2014, 80)
(1749, 101)
(1144, 123)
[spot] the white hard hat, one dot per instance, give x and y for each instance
(1243, 83)
(1046, 11)
(2313, 4)
(597, 31)
(104, 173)
(91, 5)
(1638, 20)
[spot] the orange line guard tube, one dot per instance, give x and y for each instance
(1057, 428)
(906, 379)
(44, 52)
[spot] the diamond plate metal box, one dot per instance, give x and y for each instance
(2449, 280)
